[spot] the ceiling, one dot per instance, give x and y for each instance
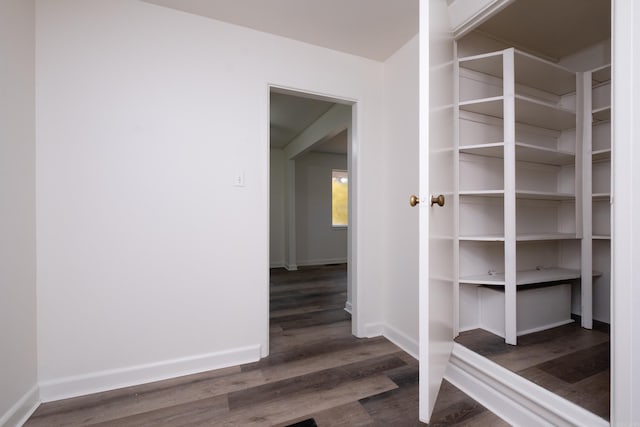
(336, 145)
(290, 115)
(552, 28)
(374, 29)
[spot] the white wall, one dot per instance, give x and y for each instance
(151, 263)
(18, 369)
(317, 242)
(400, 231)
(276, 208)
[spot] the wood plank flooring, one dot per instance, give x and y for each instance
(568, 360)
(316, 369)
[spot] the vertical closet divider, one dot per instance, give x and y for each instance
(510, 297)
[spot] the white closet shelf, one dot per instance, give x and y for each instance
(484, 279)
(602, 114)
(530, 71)
(601, 154)
(519, 238)
(483, 238)
(528, 111)
(520, 194)
(545, 236)
(524, 277)
(482, 193)
(524, 152)
(601, 196)
(542, 195)
(529, 277)
(601, 237)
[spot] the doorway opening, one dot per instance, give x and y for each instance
(312, 245)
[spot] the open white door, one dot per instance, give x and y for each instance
(436, 240)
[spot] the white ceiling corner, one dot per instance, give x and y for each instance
(373, 29)
(551, 28)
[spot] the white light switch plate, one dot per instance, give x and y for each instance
(238, 179)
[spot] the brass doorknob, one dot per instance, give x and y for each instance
(413, 200)
(437, 200)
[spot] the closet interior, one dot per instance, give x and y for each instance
(532, 197)
(533, 166)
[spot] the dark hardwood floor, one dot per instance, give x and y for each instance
(316, 370)
(568, 360)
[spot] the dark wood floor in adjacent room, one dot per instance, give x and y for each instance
(316, 369)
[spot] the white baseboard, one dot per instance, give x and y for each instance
(96, 382)
(291, 267)
(373, 330)
(20, 412)
(545, 327)
(348, 307)
(277, 265)
(402, 340)
(511, 397)
(321, 261)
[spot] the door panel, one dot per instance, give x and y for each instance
(436, 265)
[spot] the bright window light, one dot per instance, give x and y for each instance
(339, 198)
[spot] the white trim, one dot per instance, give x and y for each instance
(348, 307)
(373, 330)
(291, 267)
(545, 327)
(290, 212)
(354, 294)
(95, 382)
(20, 412)
(354, 238)
(511, 397)
(463, 22)
(402, 340)
(625, 256)
(321, 261)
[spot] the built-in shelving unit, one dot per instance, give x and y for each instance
(596, 177)
(517, 199)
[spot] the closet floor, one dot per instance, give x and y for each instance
(568, 360)
(316, 371)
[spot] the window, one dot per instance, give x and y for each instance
(339, 198)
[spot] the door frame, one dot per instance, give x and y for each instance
(354, 293)
(625, 227)
(625, 376)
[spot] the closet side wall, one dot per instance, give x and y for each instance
(18, 370)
